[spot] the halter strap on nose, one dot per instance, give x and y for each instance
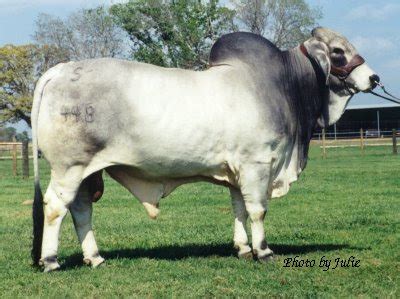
(344, 71)
(341, 72)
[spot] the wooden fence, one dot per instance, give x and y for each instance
(21, 150)
(17, 151)
(361, 142)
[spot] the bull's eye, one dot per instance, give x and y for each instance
(338, 58)
(338, 51)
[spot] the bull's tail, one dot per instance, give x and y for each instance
(38, 223)
(37, 210)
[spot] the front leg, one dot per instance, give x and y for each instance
(255, 185)
(240, 238)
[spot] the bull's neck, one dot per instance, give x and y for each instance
(305, 85)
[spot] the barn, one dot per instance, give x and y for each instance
(376, 120)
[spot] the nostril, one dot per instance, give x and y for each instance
(374, 78)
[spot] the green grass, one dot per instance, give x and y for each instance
(346, 205)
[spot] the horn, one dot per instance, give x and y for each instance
(324, 34)
(316, 32)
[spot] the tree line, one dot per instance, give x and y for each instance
(169, 33)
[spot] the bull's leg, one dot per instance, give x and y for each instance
(81, 211)
(240, 238)
(255, 187)
(59, 195)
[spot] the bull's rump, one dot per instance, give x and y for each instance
(164, 122)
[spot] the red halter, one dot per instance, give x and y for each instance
(341, 72)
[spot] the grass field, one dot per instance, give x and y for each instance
(346, 205)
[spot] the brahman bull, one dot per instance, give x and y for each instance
(245, 123)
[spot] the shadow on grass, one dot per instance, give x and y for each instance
(198, 250)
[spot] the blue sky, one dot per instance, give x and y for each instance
(372, 26)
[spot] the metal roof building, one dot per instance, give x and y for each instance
(376, 120)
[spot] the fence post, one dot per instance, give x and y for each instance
(323, 144)
(14, 158)
(394, 139)
(25, 159)
(362, 140)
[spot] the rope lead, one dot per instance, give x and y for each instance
(394, 100)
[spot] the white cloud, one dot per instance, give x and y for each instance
(374, 12)
(373, 45)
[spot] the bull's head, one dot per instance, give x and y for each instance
(345, 71)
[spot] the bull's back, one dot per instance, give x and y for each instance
(142, 115)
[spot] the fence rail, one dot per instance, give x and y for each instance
(20, 150)
(16, 151)
(367, 134)
(362, 140)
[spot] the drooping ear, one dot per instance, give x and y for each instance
(319, 51)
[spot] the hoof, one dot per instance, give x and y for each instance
(245, 255)
(266, 258)
(94, 261)
(49, 264)
(51, 267)
(265, 255)
(244, 252)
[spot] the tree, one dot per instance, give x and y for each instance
(21, 137)
(7, 134)
(176, 33)
(20, 67)
(86, 33)
(16, 82)
(285, 22)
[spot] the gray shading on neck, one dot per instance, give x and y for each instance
(308, 96)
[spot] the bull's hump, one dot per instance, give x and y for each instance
(243, 46)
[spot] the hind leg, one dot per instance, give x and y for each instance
(59, 195)
(81, 211)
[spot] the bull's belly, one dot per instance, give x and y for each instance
(155, 164)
